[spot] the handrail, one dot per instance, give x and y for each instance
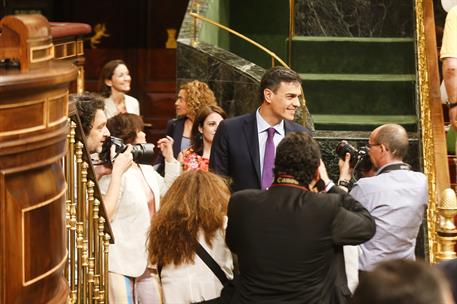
(225, 28)
(291, 30)
(439, 231)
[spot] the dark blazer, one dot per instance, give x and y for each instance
(289, 243)
(235, 150)
(175, 129)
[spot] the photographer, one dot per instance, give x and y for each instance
(139, 195)
(289, 239)
(90, 109)
(395, 196)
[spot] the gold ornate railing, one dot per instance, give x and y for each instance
(88, 231)
(440, 233)
(231, 31)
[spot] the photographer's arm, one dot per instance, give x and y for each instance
(450, 82)
(345, 172)
(172, 166)
(122, 162)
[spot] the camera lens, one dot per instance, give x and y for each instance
(143, 153)
(343, 148)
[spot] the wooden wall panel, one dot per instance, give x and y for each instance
(137, 35)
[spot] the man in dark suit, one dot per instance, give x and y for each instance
(289, 239)
(240, 143)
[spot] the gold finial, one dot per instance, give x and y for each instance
(449, 199)
(446, 232)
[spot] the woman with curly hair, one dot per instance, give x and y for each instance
(191, 97)
(193, 212)
(114, 83)
(203, 130)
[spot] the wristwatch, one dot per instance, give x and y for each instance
(345, 183)
(451, 104)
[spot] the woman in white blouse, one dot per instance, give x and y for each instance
(138, 198)
(193, 210)
(114, 84)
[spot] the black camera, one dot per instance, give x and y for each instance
(142, 153)
(360, 159)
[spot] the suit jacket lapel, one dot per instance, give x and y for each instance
(252, 141)
(177, 135)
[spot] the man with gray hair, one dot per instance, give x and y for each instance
(396, 197)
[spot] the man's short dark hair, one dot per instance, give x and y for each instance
(273, 78)
(298, 155)
(401, 282)
(87, 105)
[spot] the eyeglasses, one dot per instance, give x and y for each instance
(372, 145)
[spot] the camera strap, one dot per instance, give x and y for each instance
(393, 167)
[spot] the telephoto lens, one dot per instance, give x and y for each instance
(142, 153)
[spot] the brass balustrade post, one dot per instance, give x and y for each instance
(96, 236)
(79, 246)
(101, 270)
(446, 229)
(90, 240)
(105, 263)
(79, 225)
(71, 204)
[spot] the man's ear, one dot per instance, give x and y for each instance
(267, 95)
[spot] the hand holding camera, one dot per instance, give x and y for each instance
(345, 168)
(121, 161)
(359, 160)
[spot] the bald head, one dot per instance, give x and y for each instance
(394, 138)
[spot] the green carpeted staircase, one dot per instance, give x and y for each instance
(357, 83)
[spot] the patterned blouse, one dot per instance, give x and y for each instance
(193, 161)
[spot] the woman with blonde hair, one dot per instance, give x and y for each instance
(193, 212)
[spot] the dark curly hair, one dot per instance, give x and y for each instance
(125, 126)
(87, 105)
(273, 78)
(107, 74)
(298, 155)
(196, 136)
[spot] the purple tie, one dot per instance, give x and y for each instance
(268, 160)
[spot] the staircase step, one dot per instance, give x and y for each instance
(363, 94)
(359, 77)
(362, 122)
(353, 55)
